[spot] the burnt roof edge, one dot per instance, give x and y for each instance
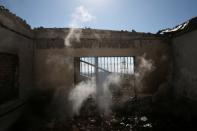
(180, 29)
(22, 21)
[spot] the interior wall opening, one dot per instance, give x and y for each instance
(88, 67)
(8, 77)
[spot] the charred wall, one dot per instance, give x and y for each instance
(16, 49)
(54, 62)
(185, 72)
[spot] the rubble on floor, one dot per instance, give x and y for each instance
(134, 115)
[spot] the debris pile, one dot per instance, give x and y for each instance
(90, 119)
(114, 122)
(133, 115)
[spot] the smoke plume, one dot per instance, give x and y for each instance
(102, 93)
(145, 66)
(80, 16)
(80, 93)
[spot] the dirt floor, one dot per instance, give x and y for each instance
(133, 115)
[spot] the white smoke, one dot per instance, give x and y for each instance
(80, 16)
(145, 66)
(73, 34)
(80, 93)
(89, 88)
(105, 93)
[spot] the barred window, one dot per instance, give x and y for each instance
(119, 65)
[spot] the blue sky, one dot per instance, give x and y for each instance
(140, 15)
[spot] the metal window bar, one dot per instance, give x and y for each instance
(120, 65)
(116, 63)
(84, 71)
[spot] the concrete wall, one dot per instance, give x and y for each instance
(16, 38)
(185, 71)
(54, 63)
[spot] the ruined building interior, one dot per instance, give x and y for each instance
(59, 79)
